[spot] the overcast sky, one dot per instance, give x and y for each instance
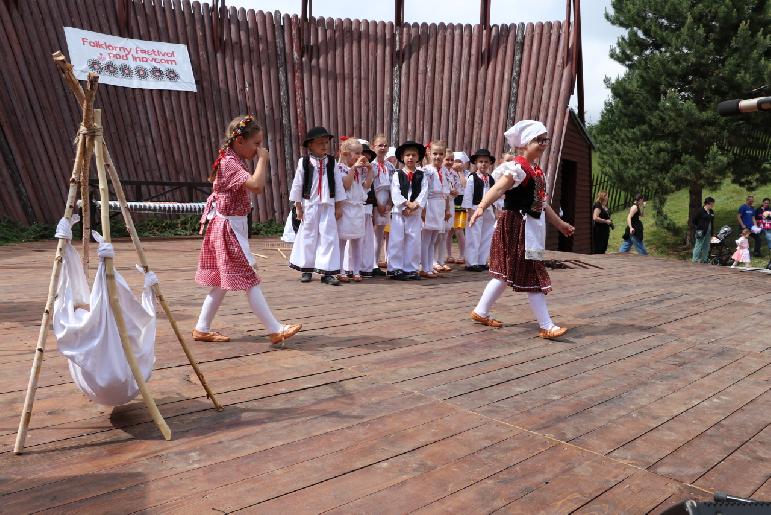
(598, 34)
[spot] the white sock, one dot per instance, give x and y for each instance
(492, 293)
(260, 307)
(540, 310)
(209, 308)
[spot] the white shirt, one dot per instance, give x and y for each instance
(396, 193)
(319, 169)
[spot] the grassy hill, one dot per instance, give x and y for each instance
(659, 241)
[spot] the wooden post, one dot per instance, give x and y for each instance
(112, 289)
(80, 167)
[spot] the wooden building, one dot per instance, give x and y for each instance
(573, 189)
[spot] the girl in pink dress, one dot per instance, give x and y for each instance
(742, 254)
(225, 262)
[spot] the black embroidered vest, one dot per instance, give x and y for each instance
(308, 178)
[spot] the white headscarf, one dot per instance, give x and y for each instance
(364, 142)
(391, 152)
(523, 132)
(460, 156)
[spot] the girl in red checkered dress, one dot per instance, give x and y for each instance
(225, 262)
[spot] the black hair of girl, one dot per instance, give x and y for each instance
(639, 197)
(245, 126)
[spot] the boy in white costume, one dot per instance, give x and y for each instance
(409, 196)
(479, 236)
(317, 192)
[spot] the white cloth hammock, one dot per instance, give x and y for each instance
(86, 331)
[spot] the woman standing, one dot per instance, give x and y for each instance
(601, 223)
(633, 235)
(517, 249)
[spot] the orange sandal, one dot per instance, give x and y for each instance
(343, 278)
(211, 336)
(554, 332)
(287, 333)
(488, 321)
(356, 278)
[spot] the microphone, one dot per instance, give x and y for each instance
(732, 107)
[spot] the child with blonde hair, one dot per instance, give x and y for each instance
(356, 175)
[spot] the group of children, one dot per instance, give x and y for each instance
(402, 203)
(345, 207)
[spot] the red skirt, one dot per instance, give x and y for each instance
(507, 256)
(222, 262)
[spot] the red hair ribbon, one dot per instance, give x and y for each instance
(428, 145)
(343, 138)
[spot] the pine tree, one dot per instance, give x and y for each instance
(660, 131)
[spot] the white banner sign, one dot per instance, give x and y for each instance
(130, 62)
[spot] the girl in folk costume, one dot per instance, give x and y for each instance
(317, 192)
(225, 262)
(437, 209)
(356, 174)
(409, 196)
(479, 236)
(383, 170)
(458, 176)
(368, 266)
(440, 249)
(520, 234)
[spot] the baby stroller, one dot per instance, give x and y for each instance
(718, 253)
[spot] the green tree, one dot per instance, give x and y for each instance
(660, 131)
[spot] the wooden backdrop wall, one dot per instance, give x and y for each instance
(460, 83)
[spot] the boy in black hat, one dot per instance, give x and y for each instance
(480, 235)
(317, 192)
(409, 196)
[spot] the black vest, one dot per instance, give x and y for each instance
(522, 198)
(404, 185)
(308, 179)
(479, 189)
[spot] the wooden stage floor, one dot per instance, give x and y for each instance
(391, 400)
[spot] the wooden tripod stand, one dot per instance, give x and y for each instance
(90, 142)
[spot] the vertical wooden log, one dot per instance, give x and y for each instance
(215, 100)
(373, 71)
(524, 72)
(272, 195)
(417, 94)
(338, 87)
(209, 132)
(469, 133)
(287, 28)
(355, 77)
(478, 88)
(283, 83)
(313, 58)
(445, 130)
(519, 47)
(453, 118)
(395, 89)
(414, 78)
(256, 63)
(430, 84)
(347, 74)
(491, 40)
(380, 74)
(463, 89)
(299, 89)
(543, 60)
(554, 34)
(279, 187)
(79, 167)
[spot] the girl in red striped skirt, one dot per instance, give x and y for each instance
(225, 262)
(517, 249)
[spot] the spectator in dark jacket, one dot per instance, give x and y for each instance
(703, 225)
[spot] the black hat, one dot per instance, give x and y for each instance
(407, 145)
(316, 132)
(482, 152)
(368, 152)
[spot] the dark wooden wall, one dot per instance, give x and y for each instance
(461, 83)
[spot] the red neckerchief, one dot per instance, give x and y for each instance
(409, 176)
(485, 178)
(356, 174)
(380, 168)
(441, 180)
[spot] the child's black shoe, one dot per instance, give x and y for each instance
(306, 277)
(330, 280)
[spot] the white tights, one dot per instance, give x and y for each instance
(257, 302)
(495, 289)
(461, 242)
(380, 244)
(440, 249)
